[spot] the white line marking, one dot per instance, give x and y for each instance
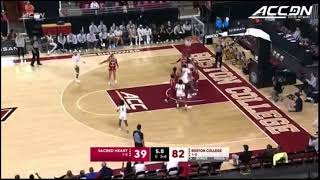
(89, 112)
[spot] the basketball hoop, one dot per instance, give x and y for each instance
(190, 39)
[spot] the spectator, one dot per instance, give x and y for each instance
(12, 35)
(163, 36)
(35, 51)
(17, 176)
(72, 42)
(93, 28)
(122, 27)
(69, 175)
(132, 35)
(126, 170)
(187, 28)
(178, 32)
(118, 36)
(61, 42)
(155, 34)
(277, 89)
(141, 34)
(297, 34)
(92, 40)
(32, 176)
(102, 27)
(94, 5)
(243, 157)
(313, 144)
(20, 43)
(82, 175)
(138, 167)
(169, 30)
(130, 24)
(138, 137)
(111, 38)
(82, 40)
(29, 8)
(4, 23)
(310, 85)
(51, 43)
(297, 106)
(105, 172)
(267, 155)
(91, 174)
(103, 37)
(148, 32)
(218, 58)
(113, 27)
(246, 66)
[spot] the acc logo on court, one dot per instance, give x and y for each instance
(133, 101)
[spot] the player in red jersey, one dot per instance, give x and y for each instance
(113, 65)
(184, 59)
(172, 91)
(175, 73)
(194, 80)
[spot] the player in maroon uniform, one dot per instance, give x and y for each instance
(175, 73)
(172, 92)
(194, 80)
(184, 59)
(113, 65)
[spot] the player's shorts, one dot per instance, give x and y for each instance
(180, 94)
(188, 85)
(123, 117)
(77, 69)
(112, 69)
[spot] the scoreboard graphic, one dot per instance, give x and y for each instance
(145, 154)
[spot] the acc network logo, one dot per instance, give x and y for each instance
(282, 12)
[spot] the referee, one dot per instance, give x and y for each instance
(219, 55)
(35, 51)
(138, 137)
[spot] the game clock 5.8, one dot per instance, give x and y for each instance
(159, 153)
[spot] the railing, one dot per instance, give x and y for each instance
(116, 9)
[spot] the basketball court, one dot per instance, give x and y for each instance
(55, 121)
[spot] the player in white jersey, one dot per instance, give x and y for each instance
(180, 93)
(186, 77)
(122, 109)
(76, 61)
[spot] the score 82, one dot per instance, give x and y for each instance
(179, 154)
(176, 153)
(141, 154)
